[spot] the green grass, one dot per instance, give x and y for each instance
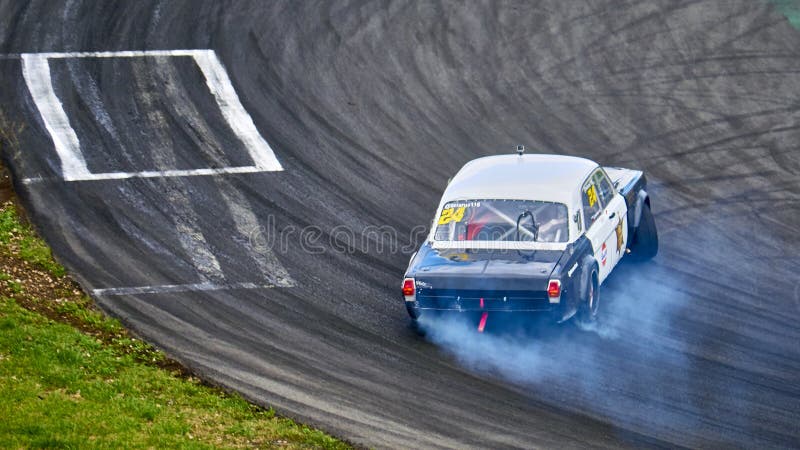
(790, 9)
(28, 247)
(81, 381)
(64, 389)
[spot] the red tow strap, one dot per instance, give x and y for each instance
(482, 323)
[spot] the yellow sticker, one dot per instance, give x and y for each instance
(451, 215)
(459, 257)
(591, 195)
(618, 230)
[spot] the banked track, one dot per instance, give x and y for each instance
(370, 107)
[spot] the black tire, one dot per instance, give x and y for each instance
(590, 294)
(416, 327)
(413, 312)
(645, 239)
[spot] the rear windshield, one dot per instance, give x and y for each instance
(502, 220)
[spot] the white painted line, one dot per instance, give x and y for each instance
(170, 288)
(233, 111)
(36, 71)
(154, 174)
(119, 54)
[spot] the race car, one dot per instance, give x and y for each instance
(529, 233)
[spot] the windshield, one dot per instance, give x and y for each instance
(502, 220)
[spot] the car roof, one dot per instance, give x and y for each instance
(553, 178)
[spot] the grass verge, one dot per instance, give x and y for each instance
(71, 377)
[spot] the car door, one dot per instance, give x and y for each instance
(616, 210)
(599, 228)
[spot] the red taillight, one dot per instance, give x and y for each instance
(554, 289)
(408, 287)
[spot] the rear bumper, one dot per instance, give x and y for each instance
(480, 300)
(554, 314)
(514, 303)
(522, 303)
(474, 305)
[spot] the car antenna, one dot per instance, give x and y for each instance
(520, 150)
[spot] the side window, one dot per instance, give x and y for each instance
(604, 187)
(591, 203)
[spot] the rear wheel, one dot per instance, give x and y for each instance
(413, 311)
(645, 239)
(590, 301)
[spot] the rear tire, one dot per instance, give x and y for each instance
(590, 297)
(416, 327)
(413, 312)
(645, 239)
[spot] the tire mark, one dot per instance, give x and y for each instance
(246, 223)
(184, 215)
(797, 295)
(184, 111)
(237, 204)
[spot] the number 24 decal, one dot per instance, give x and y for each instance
(591, 195)
(451, 215)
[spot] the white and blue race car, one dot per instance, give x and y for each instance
(529, 233)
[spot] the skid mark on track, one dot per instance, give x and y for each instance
(88, 89)
(178, 98)
(246, 222)
(797, 296)
(194, 242)
(186, 219)
(187, 222)
(237, 204)
(179, 203)
(36, 71)
(176, 288)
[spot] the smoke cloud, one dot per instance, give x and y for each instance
(628, 367)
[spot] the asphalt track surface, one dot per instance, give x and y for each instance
(370, 108)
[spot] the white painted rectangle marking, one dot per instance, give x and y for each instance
(36, 71)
